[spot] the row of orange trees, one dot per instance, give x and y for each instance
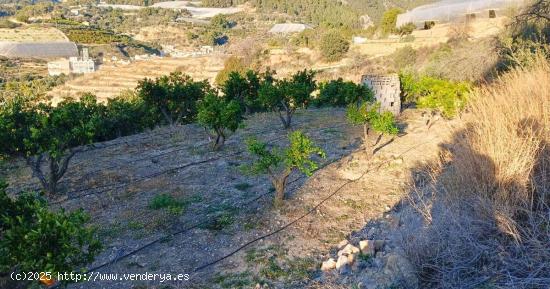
(48, 137)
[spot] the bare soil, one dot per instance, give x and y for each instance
(223, 208)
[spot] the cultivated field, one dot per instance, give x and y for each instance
(225, 208)
(109, 81)
(31, 34)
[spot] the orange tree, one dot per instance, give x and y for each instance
(287, 95)
(280, 163)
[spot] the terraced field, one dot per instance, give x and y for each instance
(32, 34)
(109, 81)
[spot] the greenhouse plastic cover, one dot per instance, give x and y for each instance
(448, 10)
(38, 49)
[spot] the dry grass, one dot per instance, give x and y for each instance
(486, 207)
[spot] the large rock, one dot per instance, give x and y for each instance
(343, 265)
(348, 250)
(328, 265)
(367, 247)
(342, 244)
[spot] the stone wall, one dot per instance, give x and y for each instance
(387, 91)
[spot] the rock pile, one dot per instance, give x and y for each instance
(348, 254)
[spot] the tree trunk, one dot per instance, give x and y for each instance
(287, 118)
(167, 117)
(220, 140)
(57, 169)
(279, 183)
(368, 148)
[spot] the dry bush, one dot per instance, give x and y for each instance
(484, 212)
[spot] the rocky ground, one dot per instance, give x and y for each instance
(211, 208)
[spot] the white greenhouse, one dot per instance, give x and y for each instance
(453, 10)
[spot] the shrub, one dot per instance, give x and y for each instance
(35, 239)
(232, 64)
(406, 29)
(279, 164)
(341, 93)
(333, 46)
(485, 208)
(220, 115)
(404, 57)
(389, 20)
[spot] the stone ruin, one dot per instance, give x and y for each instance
(387, 91)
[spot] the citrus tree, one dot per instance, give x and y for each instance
(367, 114)
(280, 163)
(53, 135)
(220, 115)
(243, 89)
(285, 96)
(342, 93)
(439, 95)
(174, 96)
(36, 239)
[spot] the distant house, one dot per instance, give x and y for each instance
(387, 91)
(83, 64)
(288, 28)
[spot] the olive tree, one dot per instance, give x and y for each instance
(285, 96)
(36, 239)
(174, 96)
(220, 115)
(367, 114)
(280, 163)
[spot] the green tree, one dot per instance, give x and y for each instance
(334, 46)
(285, 96)
(243, 89)
(342, 93)
(35, 239)
(219, 114)
(126, 115)
(367, 114)
(173, 96)
(279, 163)
(389, 21)
(440, 95)
(49, 134)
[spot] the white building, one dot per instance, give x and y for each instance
(83, 64)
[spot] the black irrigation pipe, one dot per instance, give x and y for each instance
(302, 216)
(206, 221)
(112, 186)
(105, 188)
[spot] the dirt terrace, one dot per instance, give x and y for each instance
(222, 208)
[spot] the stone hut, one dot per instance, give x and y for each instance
(387, 91)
